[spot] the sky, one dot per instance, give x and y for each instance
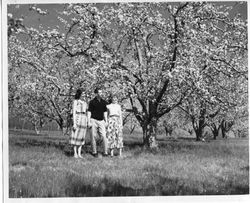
(34, 19)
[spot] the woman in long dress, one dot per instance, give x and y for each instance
(114, 129)
(79, 130)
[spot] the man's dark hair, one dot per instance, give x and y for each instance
(78, 94)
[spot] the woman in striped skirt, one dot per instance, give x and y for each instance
(78, 134)
(114, 129)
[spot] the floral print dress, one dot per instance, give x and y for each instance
(114, 129)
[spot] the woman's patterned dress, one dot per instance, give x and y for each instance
(114, 131)
(78, 135)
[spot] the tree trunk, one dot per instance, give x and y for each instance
(145, 135)
(198, 129)
(190, 131)
(60, 126)
(198, 133)
(23, 123)
(149, 134)
(36, 129)
(225, 127)
(215, 133)
(223, 133)
(200, 124)
(168, 129)
(132, 130)
(167, 132)
(215, 130)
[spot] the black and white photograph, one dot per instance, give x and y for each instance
(125, 100)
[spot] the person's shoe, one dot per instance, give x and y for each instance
(95, 155)
(80, 156)
(76, 156)
(105, 154)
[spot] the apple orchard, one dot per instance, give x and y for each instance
(161, 59)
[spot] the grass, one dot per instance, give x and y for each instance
(43, 166)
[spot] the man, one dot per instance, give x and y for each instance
(97, 117)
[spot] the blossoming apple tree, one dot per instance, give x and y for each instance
(173, 54)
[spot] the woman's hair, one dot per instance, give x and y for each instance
(111, 97)
(78, 94)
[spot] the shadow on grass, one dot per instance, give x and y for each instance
(106, 187)
(165, 186)
(135, 147)
(132, 145)
(44, 141)
(77, 186)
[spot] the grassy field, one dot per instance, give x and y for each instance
(43, 166)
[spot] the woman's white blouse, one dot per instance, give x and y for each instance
(79, 106)
(114, 109)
